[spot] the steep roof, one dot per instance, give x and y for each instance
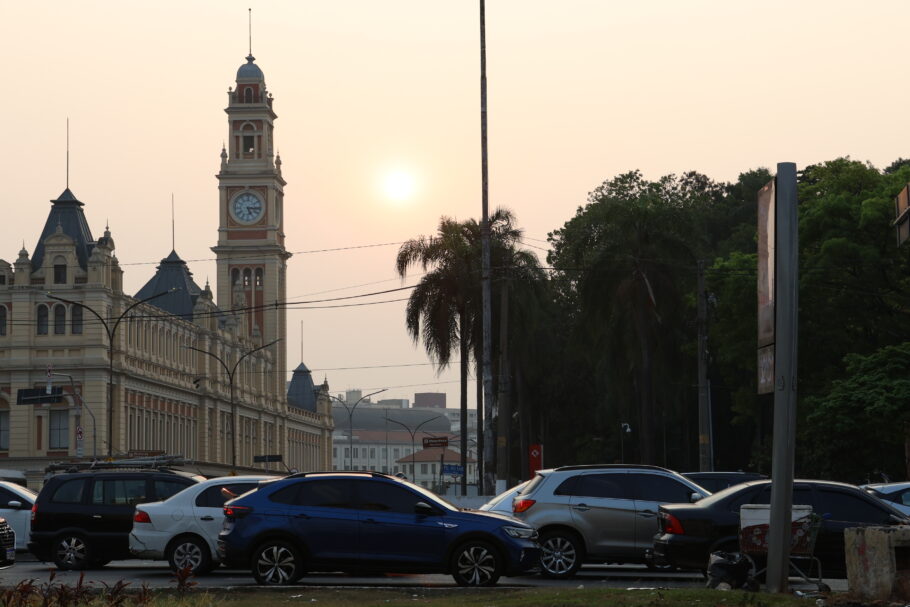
(302, 391)
(66, 211)
(174, 278)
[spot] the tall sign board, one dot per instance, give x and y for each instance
(902, 215)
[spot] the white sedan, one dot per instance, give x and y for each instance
(183, 529)
(16, 507)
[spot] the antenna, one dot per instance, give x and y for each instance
(67, 152)
(173, 231)
(250, 26)
(301, 340)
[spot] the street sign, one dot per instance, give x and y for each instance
(79, 433)
(258, 459)
(435, 441)
(39, 396)
(453, 469)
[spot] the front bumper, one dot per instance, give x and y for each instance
(680, 551)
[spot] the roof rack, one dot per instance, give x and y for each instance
(342, 472)
(156, 462)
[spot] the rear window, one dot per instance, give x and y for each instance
(165, 488)
(532, 485)
(70, 492)
(214, 497)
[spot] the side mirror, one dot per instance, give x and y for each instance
(424, 508)
(694, 497)
(15, 504)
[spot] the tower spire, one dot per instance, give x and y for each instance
(67, 152)
(250, 28)
(173, 231)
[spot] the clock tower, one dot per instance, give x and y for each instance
(251, 256)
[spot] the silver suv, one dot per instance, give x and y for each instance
(598, 514)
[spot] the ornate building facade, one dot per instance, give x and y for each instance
(175, 368)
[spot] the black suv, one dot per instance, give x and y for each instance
(83, 519)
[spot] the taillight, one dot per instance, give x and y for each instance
(520, 505)
(671, 524)
(141, 516)
(237, 511)
(34, 511)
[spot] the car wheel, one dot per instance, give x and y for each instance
(476, 563)
(71, 552)
(277, 562)
(190, 552)
(561, 554)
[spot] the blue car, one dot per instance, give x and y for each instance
(370, 522)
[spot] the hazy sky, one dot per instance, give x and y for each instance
(579, 91)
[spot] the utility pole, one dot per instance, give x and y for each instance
(504, 422)
(486, 289)
(705, 444)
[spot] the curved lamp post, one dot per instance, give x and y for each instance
(350, 411)
(231, 372)
(111, 330)
(413, 433)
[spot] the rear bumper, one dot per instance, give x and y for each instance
(680, 551)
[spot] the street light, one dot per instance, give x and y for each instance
(111, 331)
(413, 433)
(350, 411)
(231, 371)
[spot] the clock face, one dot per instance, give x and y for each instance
(247, 208)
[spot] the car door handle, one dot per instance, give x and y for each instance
(581, 507)
(206, 518)
(371, 521)
(302, 515)
(96, 516)
(647, 513)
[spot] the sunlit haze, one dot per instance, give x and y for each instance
(378, 127)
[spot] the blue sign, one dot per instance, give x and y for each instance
(453, 469)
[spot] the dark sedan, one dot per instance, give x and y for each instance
(689, 533)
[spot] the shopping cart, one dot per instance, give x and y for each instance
(754, 520)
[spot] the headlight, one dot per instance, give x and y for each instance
(525, 533)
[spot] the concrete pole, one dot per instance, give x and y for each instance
(705, 448)
(786, 305)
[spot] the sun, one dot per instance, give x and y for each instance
(398, 186)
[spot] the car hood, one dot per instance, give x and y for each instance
(493, 515)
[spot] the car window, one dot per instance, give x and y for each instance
(6, 496)
(70, 491)
(840, 506)
(604, 486)
(801, 495)
(659, 488)
(118, 491)
(385, 497)
(567, 487)
(165, 488)
(214, 497)
(902, 498)
(328, 493)
(532, 484)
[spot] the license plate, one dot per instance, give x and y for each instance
(11, 554)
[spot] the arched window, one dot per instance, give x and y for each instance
(2, 320)
(258, 277)
(248, 95)
(42, 319)
(247, 275)
(235, 276)
(59, 319)
(76, 320)
(248, 138)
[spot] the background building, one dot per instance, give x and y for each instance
(170, 369)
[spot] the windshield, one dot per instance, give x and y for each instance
(427, 493)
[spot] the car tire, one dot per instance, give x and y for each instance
(192, 552)
(561, 555)
(71, 552)
(276, 563)
(476, 563)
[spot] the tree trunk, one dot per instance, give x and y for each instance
(481, 463)
(463, 351)
(504, 421)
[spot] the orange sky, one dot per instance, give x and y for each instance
(579, 91)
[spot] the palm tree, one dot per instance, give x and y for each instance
(437, 312)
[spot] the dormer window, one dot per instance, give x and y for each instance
(59, 271)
